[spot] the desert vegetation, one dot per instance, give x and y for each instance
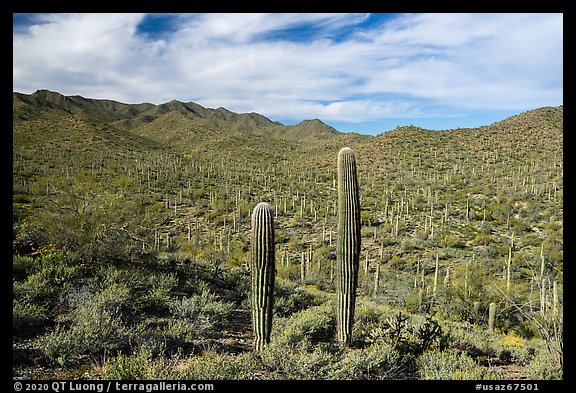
(132, 253)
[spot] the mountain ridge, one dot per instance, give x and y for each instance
(188, 126)
(112, 110)
(115, 111)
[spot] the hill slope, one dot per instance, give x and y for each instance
(131, 236)
(134, 116)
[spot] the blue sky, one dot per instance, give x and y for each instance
(357, 72)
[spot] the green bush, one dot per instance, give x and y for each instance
(161, 287)
(22, 266)
(37, 287)
(299, 361)
(237, 282)
(214, 366)
(86, 338)
(291, 298)
(183, 330)
(379, 360)
(96, 325)
(194, 316)
(136, 366)
(46, 279)
(543, 367)
(313, 325)
(449, 365)
(28, 319)
(201, 306)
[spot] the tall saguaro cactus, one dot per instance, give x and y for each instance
(262, 273)
(348, 243)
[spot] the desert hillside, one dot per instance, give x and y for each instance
(131, 245)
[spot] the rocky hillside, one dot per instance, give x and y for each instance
(131, 238)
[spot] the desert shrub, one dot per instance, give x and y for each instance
(289, 272)
(449, 365)
(543, 367)
(96, 325)
(300, 360)
(315, 324)
(50, 275)
(295, 354)
(129, 367)
(212, 365)
(237, 281)
(87, 301)
(22, 265)
(27, 318)
(61, 346)
(290, 298)
(430, 335)
(205, 305)
(302, 345)
(183, 330)
(379, 360)
(85, 338)
(452, 240)
(395, 330)
(140, 365)
(508, 348)
(161, 287)
(193, 316)
(410, 334)
(521, 351)
(36, 289)
(475, 342)
(367, 325)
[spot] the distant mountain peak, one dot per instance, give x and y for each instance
(49, 96)
(193, 115)
(316, 125)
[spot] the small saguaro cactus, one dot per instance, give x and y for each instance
(491, 316)
(476, 310)
(348, 243)
(555, 302)
(262, 273)
(436, 271)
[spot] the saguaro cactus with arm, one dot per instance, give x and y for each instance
(348, 243)
(262, 273)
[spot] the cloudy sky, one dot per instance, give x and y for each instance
(357, 72)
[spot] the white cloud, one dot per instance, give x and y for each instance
(244, 28)
(406, 65)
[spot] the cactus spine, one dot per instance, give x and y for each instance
(491, 316)
(348, 243)
(262, 273)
